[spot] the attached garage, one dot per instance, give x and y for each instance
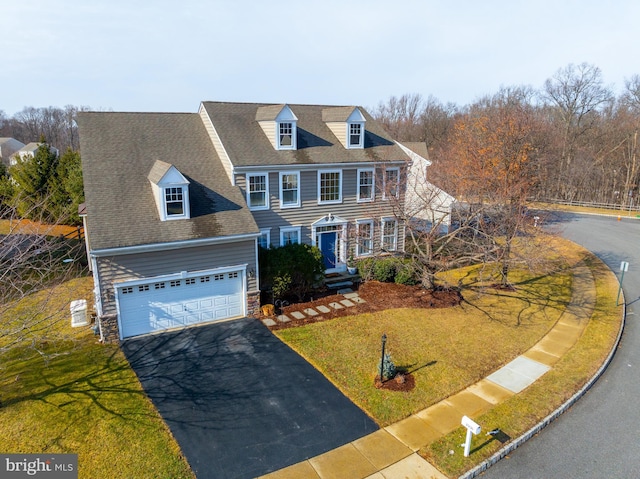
(158, 304)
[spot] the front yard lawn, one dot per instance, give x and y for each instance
(81, 397)
(447, 349)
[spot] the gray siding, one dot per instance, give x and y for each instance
(310, 211)
(138, 266)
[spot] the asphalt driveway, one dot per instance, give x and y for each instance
(239, 401)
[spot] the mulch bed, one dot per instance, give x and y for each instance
(378, 296)
(401, 383)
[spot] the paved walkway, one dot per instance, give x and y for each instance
(391, 453)
(349, 301)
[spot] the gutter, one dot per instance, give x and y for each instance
(150, 248)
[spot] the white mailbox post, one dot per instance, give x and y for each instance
(472, 428)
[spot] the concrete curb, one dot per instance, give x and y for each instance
(513, 445)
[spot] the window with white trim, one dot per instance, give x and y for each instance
(391, 183)
(355, 135)
(285, 135)
(330, 186)
(364, 232)
(258, 191)
(389, 234)
(264, 240)
(366, 189)
(289, 235)
(174, 201)
(289, 189)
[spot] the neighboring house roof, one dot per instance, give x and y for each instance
(8, 146)
(247, 145)
(120, 150)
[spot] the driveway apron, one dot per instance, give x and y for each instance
(240, 402)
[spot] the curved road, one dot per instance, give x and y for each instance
(600, 435)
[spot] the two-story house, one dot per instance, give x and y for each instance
(8, 147)
(178, 204)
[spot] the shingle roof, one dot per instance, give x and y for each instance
(158, 170)
(419, 147)
(269, 112)
(337, 113)
(247, 145)
(119, 151)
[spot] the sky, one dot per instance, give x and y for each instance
(158, 55)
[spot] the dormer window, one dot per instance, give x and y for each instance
(278, 122)
(170, 191)
(355, 135)
(347, 123)
(174, 201)
(285, 137)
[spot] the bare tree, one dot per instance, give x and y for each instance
(576, 94)
(33, 259)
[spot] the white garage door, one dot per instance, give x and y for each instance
(175, 303)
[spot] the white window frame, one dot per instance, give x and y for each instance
(362, 199)
(394, 245)
(290, 229)
(329, 202)
(184, 200)
(360, 143)
(359, 223)
(284, 205)
(385, 195)
(265, 233)
(292, 125)
(266, 191)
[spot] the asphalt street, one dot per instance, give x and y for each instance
(600, 435)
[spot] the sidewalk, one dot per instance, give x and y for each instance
(391, 452)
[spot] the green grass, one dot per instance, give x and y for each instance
(82, 397)
(445, 349)
(448, 350)
(523, 411)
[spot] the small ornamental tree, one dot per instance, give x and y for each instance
(386, 369)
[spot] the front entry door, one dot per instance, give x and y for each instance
(328, 246)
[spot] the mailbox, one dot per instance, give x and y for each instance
(470, 425)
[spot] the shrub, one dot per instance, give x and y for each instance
(290, 269)
(387, 370)
(365, 268)
(406, 273)
(384, 269)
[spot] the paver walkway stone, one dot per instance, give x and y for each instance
(297, 315)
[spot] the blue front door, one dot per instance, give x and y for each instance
(328, 243)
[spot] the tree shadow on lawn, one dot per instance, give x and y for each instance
(413, 368)
(528, 292)
(71, 377)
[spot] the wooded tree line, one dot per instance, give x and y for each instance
(56, 125)
(571, 140)
(47, 187)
